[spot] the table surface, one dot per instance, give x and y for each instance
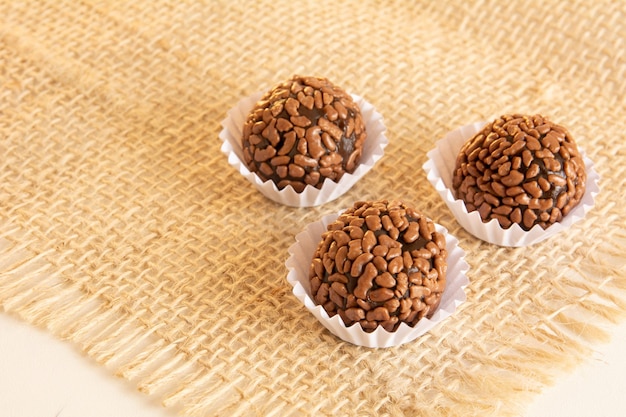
(43, 376)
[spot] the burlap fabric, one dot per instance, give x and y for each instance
(124, 231)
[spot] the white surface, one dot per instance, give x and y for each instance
(595, 389)
(44, 377)
(41, 376)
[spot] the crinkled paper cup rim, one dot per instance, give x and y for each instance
(298, 264)
(373, 150)
(439, 170)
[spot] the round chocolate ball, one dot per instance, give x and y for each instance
(521, 170)
(302, 132)
(381, 263)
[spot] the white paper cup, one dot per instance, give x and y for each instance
(439, 170)
(373, 150)
(299, 261)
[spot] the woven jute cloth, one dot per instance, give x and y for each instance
(125, 232)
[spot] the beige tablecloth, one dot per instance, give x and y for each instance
(124, 230)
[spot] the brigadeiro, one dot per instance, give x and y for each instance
(302, 132)
(520, 169)
(381, 263)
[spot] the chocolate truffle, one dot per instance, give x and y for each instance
(302, 132)
(380, 263)
(520, 169)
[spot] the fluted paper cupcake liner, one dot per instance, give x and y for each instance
(373, 150)
(439, 170)
(299, 261)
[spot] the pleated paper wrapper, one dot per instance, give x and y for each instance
(373, 150)
(440, 167)
(299, 261)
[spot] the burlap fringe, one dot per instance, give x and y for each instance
(526, 358)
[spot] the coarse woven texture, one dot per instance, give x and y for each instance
(124, 230)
